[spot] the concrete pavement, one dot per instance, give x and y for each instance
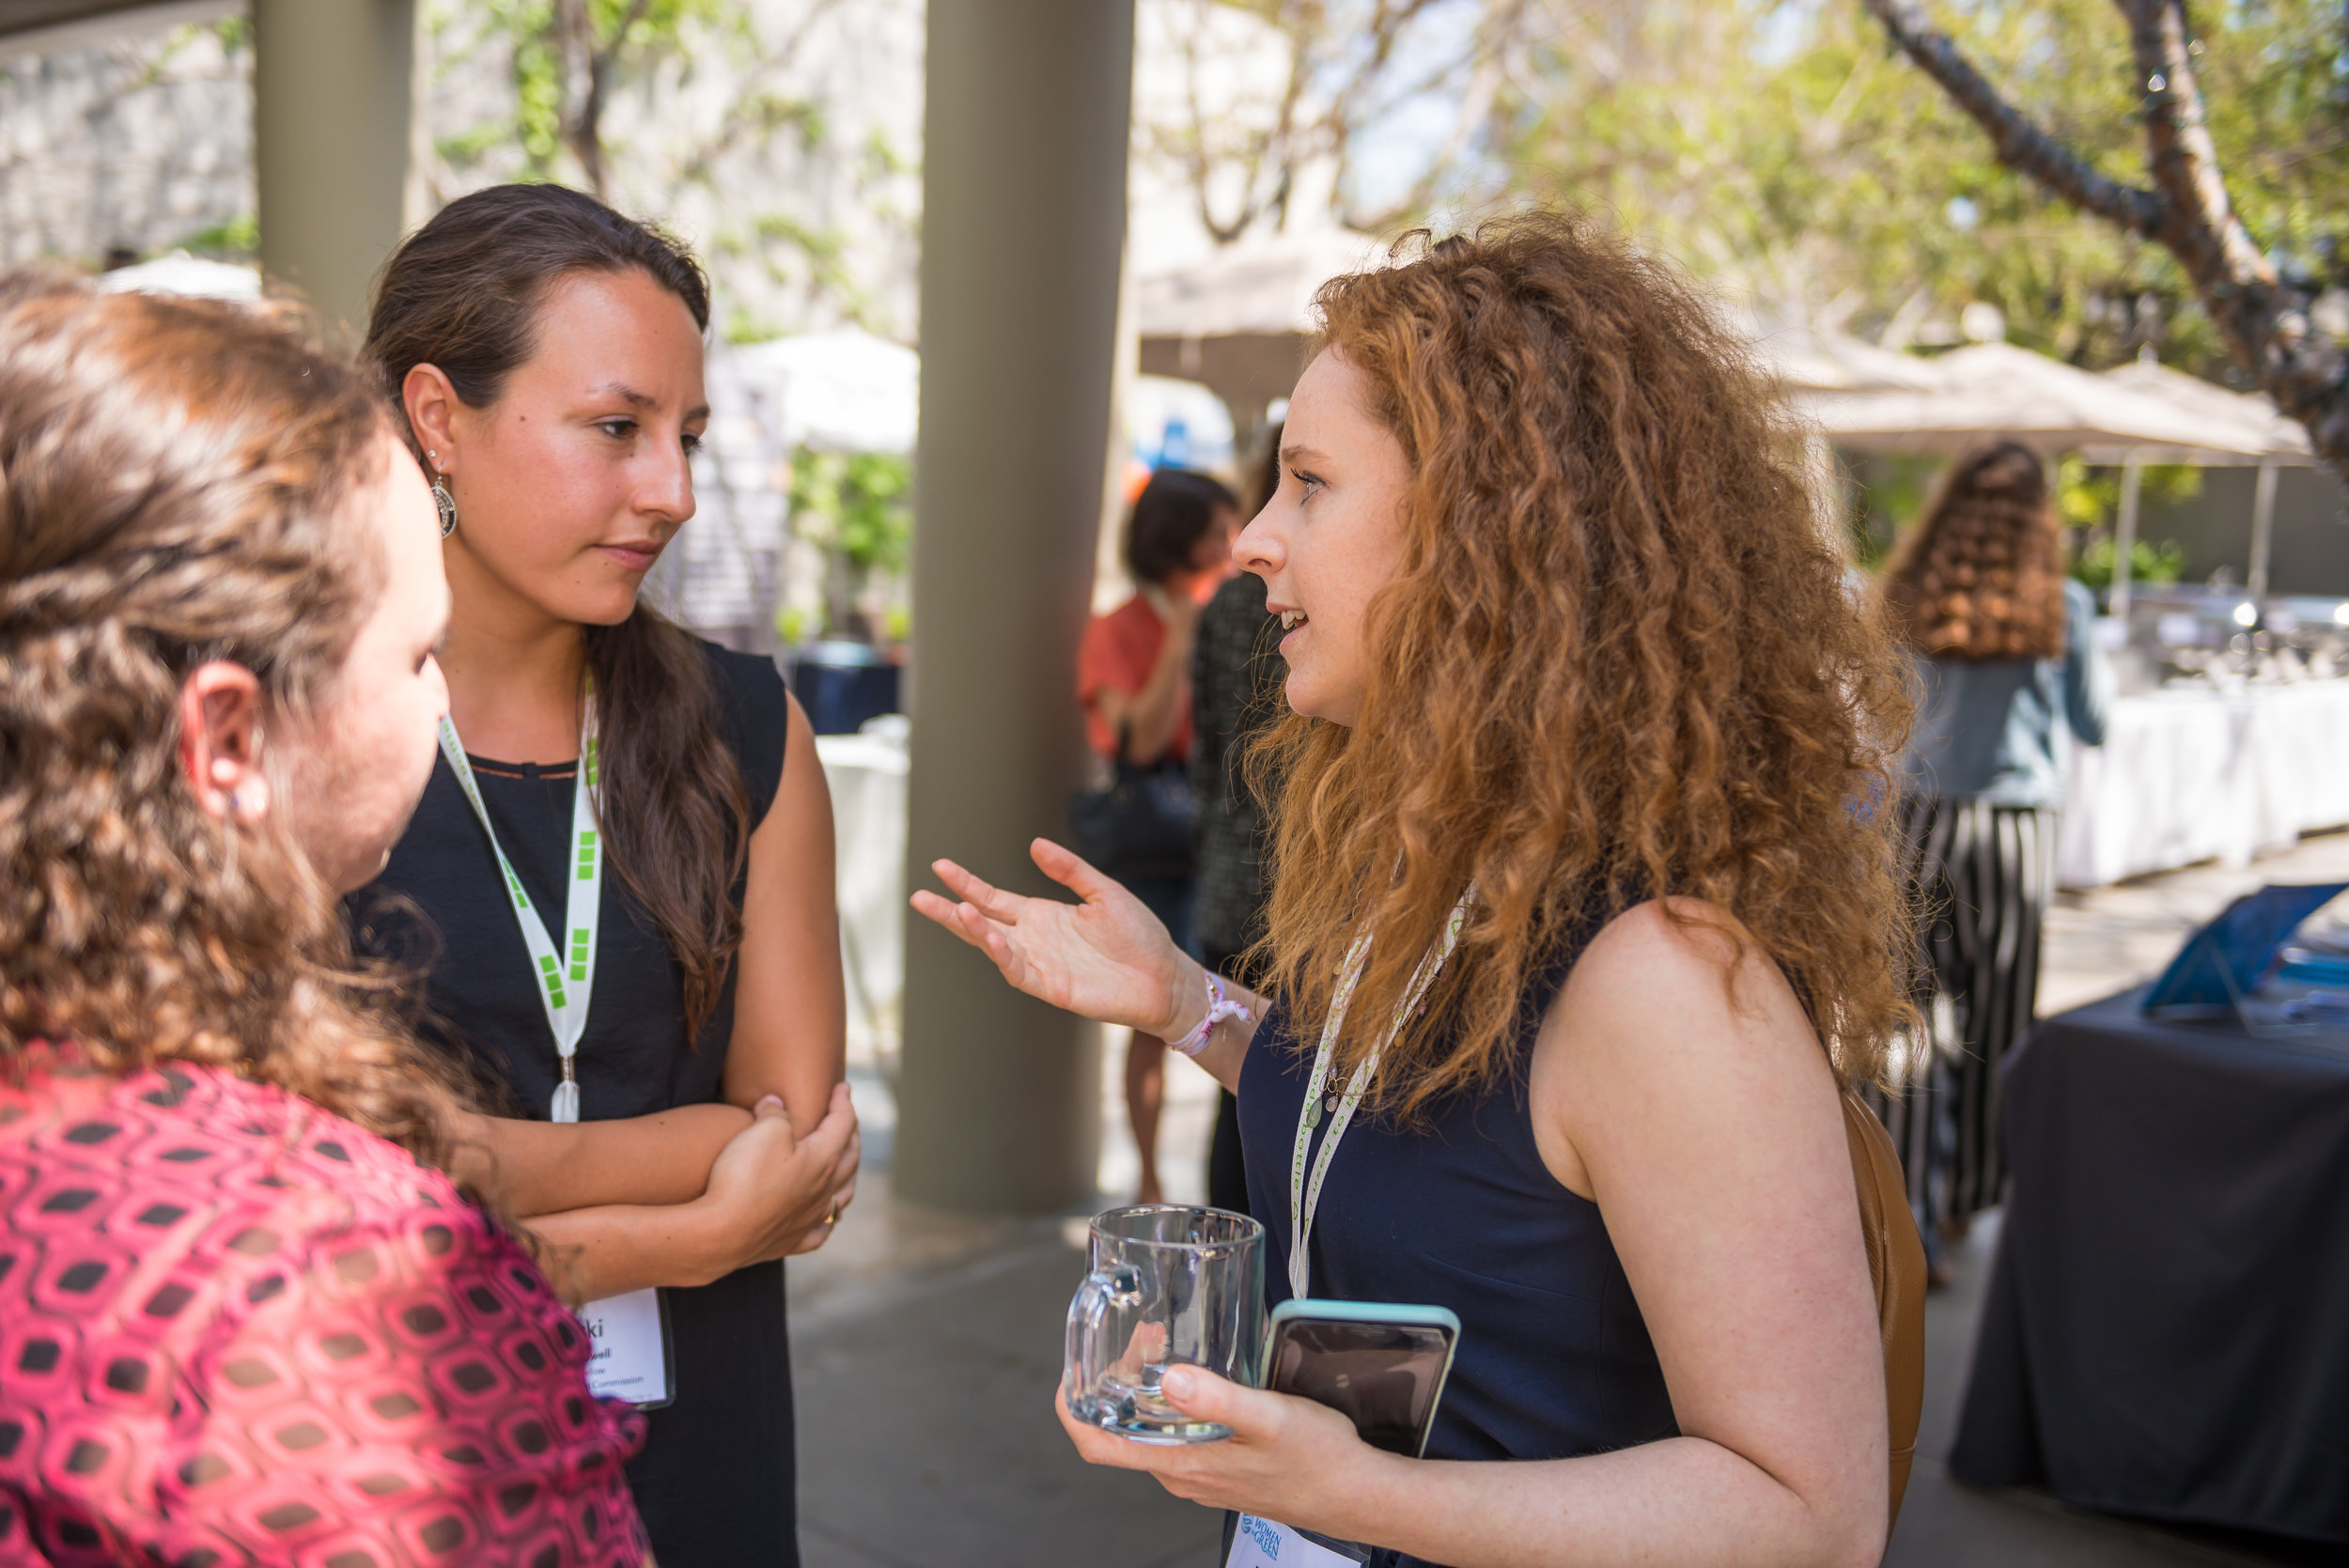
(927, 1347)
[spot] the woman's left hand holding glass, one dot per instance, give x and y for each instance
(1288, 1458)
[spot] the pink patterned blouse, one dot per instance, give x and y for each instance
(235, 1328)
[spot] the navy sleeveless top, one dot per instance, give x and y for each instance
(716, 1479)
(1553, 1358)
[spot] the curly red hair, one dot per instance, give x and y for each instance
(1621, 659)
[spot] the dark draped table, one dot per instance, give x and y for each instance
(2166, 1332)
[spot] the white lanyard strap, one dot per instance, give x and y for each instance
(565, 979)
(1304, 1197)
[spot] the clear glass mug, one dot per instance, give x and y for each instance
(1168, 1284)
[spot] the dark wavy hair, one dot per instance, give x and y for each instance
(1981, 575)
(462, 293)
(176, 479)
(1175, 511)
(1620, 659)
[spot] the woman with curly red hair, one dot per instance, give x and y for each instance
(1584, 723)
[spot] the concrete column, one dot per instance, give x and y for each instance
(1024, 226)
(333, 94)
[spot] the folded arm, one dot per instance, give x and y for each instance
(623, 1204)
(543, 1167)
(768, 1196)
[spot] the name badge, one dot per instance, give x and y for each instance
(628, 1357)
(1263, 1544)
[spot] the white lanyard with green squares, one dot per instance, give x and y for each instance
(565, 979)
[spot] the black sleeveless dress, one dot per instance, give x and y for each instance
(1553, 1360)
(716, 1480)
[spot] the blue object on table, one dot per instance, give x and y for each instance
(2220, 963)
(842, 683)
(2316, 968)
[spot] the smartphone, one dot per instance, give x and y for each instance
(1380, 1364)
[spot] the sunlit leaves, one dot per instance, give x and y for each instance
(1782, 145)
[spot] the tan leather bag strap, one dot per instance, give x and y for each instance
(1896, 1267)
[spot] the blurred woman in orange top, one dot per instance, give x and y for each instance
(1133, 678)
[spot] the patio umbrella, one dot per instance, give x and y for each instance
(2262, 435)
(2258, 433)
(1239, 321)
(840, 391)
(1804, 359)
(1997, 390)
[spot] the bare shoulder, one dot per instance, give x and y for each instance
(801, 745)
(1673, 1016)
(1675, 975)
(801, 812)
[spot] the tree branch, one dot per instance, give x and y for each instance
(2262, 316)
(2202, 227)
(2263, 319)
(2021, 144)
(2203, 231)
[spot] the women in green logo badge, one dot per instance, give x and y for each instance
(624, 858)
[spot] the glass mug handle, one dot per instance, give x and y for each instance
(1104, 1288)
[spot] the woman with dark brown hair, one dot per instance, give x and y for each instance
(2003, 637)
(1575, 937)
(624, 857)
(245, 1317)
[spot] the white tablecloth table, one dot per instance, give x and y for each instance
(867, 776)
(2189, 774)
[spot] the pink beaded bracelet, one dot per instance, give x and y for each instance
(1220, 1007)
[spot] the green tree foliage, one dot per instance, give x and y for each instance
(695, 112)
(2158, 564)
(568, 56)
(856, 507)
(1784, 147)
(2091, 497)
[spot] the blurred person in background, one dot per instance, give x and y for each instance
(2002, 639)
(1236, 676)
(1133, 673)
(547, 353)
(247, 1317)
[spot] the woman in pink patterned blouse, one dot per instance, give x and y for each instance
(245, 1316)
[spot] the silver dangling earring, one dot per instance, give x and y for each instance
(441, 498)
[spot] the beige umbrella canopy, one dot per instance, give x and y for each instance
(2136, 415)
(2258, 433)
(1997, 390)
(1805, 360)
(1239, 321)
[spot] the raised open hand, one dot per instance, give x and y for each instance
(1108, 959)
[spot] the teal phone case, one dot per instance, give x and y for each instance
(1401, 1313)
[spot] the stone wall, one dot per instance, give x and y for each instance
(144, 143)
(787, 149)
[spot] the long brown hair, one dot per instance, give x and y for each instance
(175, 485)
(462, 293)
(1620, 660)
(1981, 575)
